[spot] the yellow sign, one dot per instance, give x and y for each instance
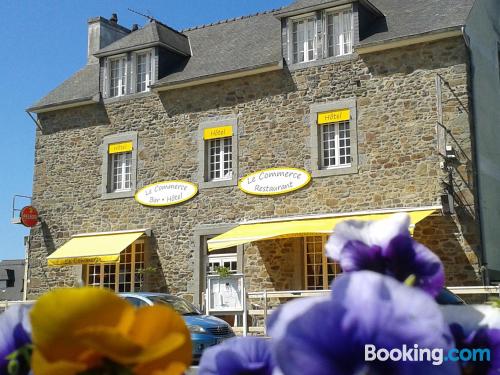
(334, 116)
(116, 148)
(220, 132)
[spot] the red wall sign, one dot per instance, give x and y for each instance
(29, 216)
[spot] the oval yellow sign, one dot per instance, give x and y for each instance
(274, 181)
(166, 193)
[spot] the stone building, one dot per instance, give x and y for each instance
(371, 98)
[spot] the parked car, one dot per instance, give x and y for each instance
(205, 330)
(447, 297)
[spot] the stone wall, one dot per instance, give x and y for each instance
(398, 162)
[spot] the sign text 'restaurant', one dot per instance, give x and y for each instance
(274, 181)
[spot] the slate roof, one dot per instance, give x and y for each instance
(407, 18)
(14, 293)
(235, 45)
(255, 41)
(154, 33)
(83, 85)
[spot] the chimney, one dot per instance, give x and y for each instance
(102, 32)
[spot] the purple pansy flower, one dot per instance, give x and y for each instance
(476, 327)
(15, 332)
(238, 356)
(386, 246)
(482, 338)
(328, 335)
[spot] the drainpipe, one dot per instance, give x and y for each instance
(483, 261)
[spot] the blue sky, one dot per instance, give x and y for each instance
(45, 42)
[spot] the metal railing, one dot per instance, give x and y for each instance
(262, 304)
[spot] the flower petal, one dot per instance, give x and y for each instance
(14, 331)
(472, 317)
(40, 366)
(277, 323)
(365, 308)
(58, 316)
(378, 232)
(239, 355)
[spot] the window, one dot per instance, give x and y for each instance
(319, 270)
(304, 39)
(119, 170)
(334, 138)
(144, 71)
(328, 34)
(218, 153)
(117, 77)
(229, 261)
(129, 73)
(339, 33)
(125, 276)
(335, 145)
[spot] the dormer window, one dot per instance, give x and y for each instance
(117, 76)
(327, 33)
(339, 32)
(304, 39)
(129, 73)
(144, 71)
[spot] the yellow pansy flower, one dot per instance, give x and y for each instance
(74, 330)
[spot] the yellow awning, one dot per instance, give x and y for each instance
(93, 248)
(246, 233)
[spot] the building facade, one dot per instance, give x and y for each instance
(371, 101)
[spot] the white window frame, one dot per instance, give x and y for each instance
(336, 126)
(123, 75)
(211, 143)
(221, 259)
(126, 157)
(135, 276)
(323, 270)
(303, 18)
(342, 51)
(150, 70)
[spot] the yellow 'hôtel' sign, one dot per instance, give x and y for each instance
(334, 116)
(219, 132)
(116, 148)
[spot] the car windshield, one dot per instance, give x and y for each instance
(446, 297)
(183, 307)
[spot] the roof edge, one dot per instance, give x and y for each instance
(223, 76)
(138, 47)
(366, 3)
(409, 40)
(66, 104)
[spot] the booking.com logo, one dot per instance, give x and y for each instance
(416, 354)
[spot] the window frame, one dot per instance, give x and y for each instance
(333, 11)
(117, 271)
(321, 55)
(219, 143)
(124, 163)
(151, 61)
(106, 169)
(109, 61)
(317, 167)
(325, 262)
(303, 18)
(204, 181)
(337, 147)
